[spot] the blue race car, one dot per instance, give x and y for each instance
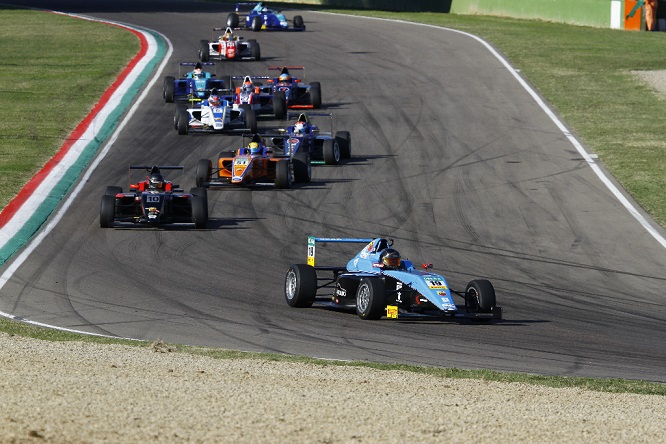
(260, 18)
(297, 94)
(303, 135)
(378, 282)
(195, 84)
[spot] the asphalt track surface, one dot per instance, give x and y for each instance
(451, 158)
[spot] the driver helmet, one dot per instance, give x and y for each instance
(247, 86)
(284, 78)
(299, 128)
(156, 181)
(214, 100)
(254, 147)
(390, 258)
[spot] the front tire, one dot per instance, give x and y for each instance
(370, 298)
(204, 171)
(183, 122)
(256, 24)
(298, 21)
(331, 152)
(480, 296)
(107, 211)
(300, 286)
(232, 20)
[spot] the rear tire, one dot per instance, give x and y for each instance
(204, 171)
(280, 105)
(250, 119)
(331, 152)
(480, 296)
(344, 141)
(302, 167)
(107, 211)
(255, 50)
(300, 286)
(370, 298)
(282, 175)
(204, 51)
(169, 89)
(113, 190)
(315, 94)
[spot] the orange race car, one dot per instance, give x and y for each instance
(256, 164)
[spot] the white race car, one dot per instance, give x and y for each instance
(228, 47)
(215, 115)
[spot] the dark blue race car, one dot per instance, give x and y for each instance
(298, 95)
(304, 136)
(377, 282)
(195, 84)
(257, 17)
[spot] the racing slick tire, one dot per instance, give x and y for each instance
(282, 174)
(300, 286)
(331, 150)
(315, 94)
(344, 141)
(169, 89)
(298, 21)
(250, 119)
(204, 51)
(280, 105)
(370, 298)
(232, 20)
(480, 296)
(255, 50)
(204, 171)
(199, 211)
(183, 122)
(113, 190)
(201, 191)
(256, 24)
(107, 211)
(302, 167)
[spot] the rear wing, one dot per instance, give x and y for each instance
(193, 65)
(313, 240)
(247, 7)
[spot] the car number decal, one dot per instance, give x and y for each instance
(152, 198)
(435, 282)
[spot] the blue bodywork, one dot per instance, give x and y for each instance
(271, 20)
(432, 286)
(193, 85)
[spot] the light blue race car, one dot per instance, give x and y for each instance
(378, 282)
(260, 18)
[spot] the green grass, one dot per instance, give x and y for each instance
(53, 70)
(51, 77)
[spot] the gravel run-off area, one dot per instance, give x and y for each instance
(80, 392)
